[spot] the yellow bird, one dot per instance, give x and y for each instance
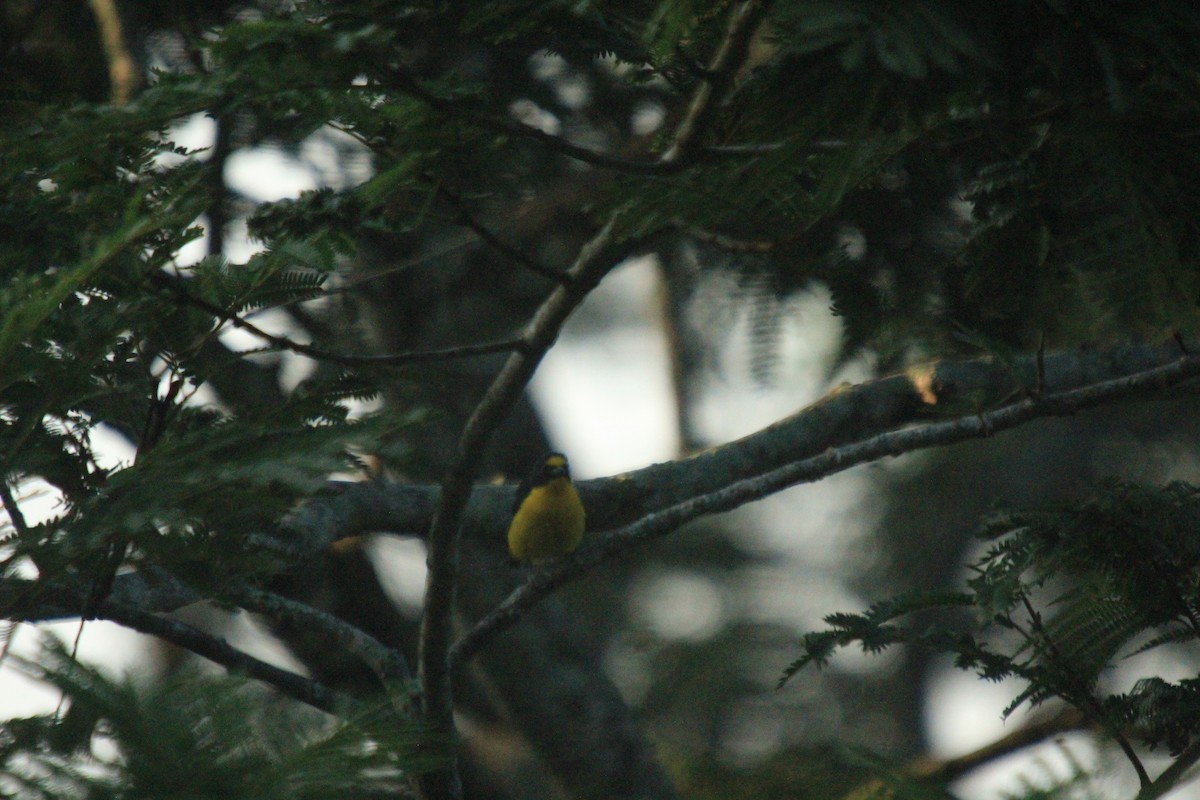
(548, 517)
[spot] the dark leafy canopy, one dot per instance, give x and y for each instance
(999, 173)
(1059, 597)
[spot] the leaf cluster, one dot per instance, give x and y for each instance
(1014, 171)
(1061, 597)
(195, 735)
(103, 331)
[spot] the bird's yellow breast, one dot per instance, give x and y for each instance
(548, 523)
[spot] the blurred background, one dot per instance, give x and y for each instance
(695, 345)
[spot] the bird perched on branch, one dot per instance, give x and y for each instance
(548, 517)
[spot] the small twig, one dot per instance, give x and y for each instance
(1182, 345)
(505, 249)
(731, 244)
(596, 158)
(158, 416)
(834, 459)
(9, 636)
(13, 509)
(1172, 775)
(284, 343)
(1067, 720)
(1041, 363)
(509, 251)
(1083, 698)
(1189, 614)
(221, 652)
(158, 413)
(766, 148)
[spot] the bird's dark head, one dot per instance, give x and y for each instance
(554, 465)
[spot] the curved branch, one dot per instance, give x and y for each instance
(134, 602)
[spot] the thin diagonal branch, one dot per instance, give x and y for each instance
(1075, 692)
(13, 509)
(1173, 775)
(388, 664)
(835, 459)
(434, 672)
(505, 249)
(1034, 733)
(284, 343)
(221, 652)
(720, 75)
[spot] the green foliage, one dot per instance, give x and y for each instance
(194, 735)
(949, 172)
(909, 40)
(1062, 129)
(100, 328)
(1060, 597)
(873, 630)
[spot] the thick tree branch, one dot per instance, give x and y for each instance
(848, 416)
(835, 459)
